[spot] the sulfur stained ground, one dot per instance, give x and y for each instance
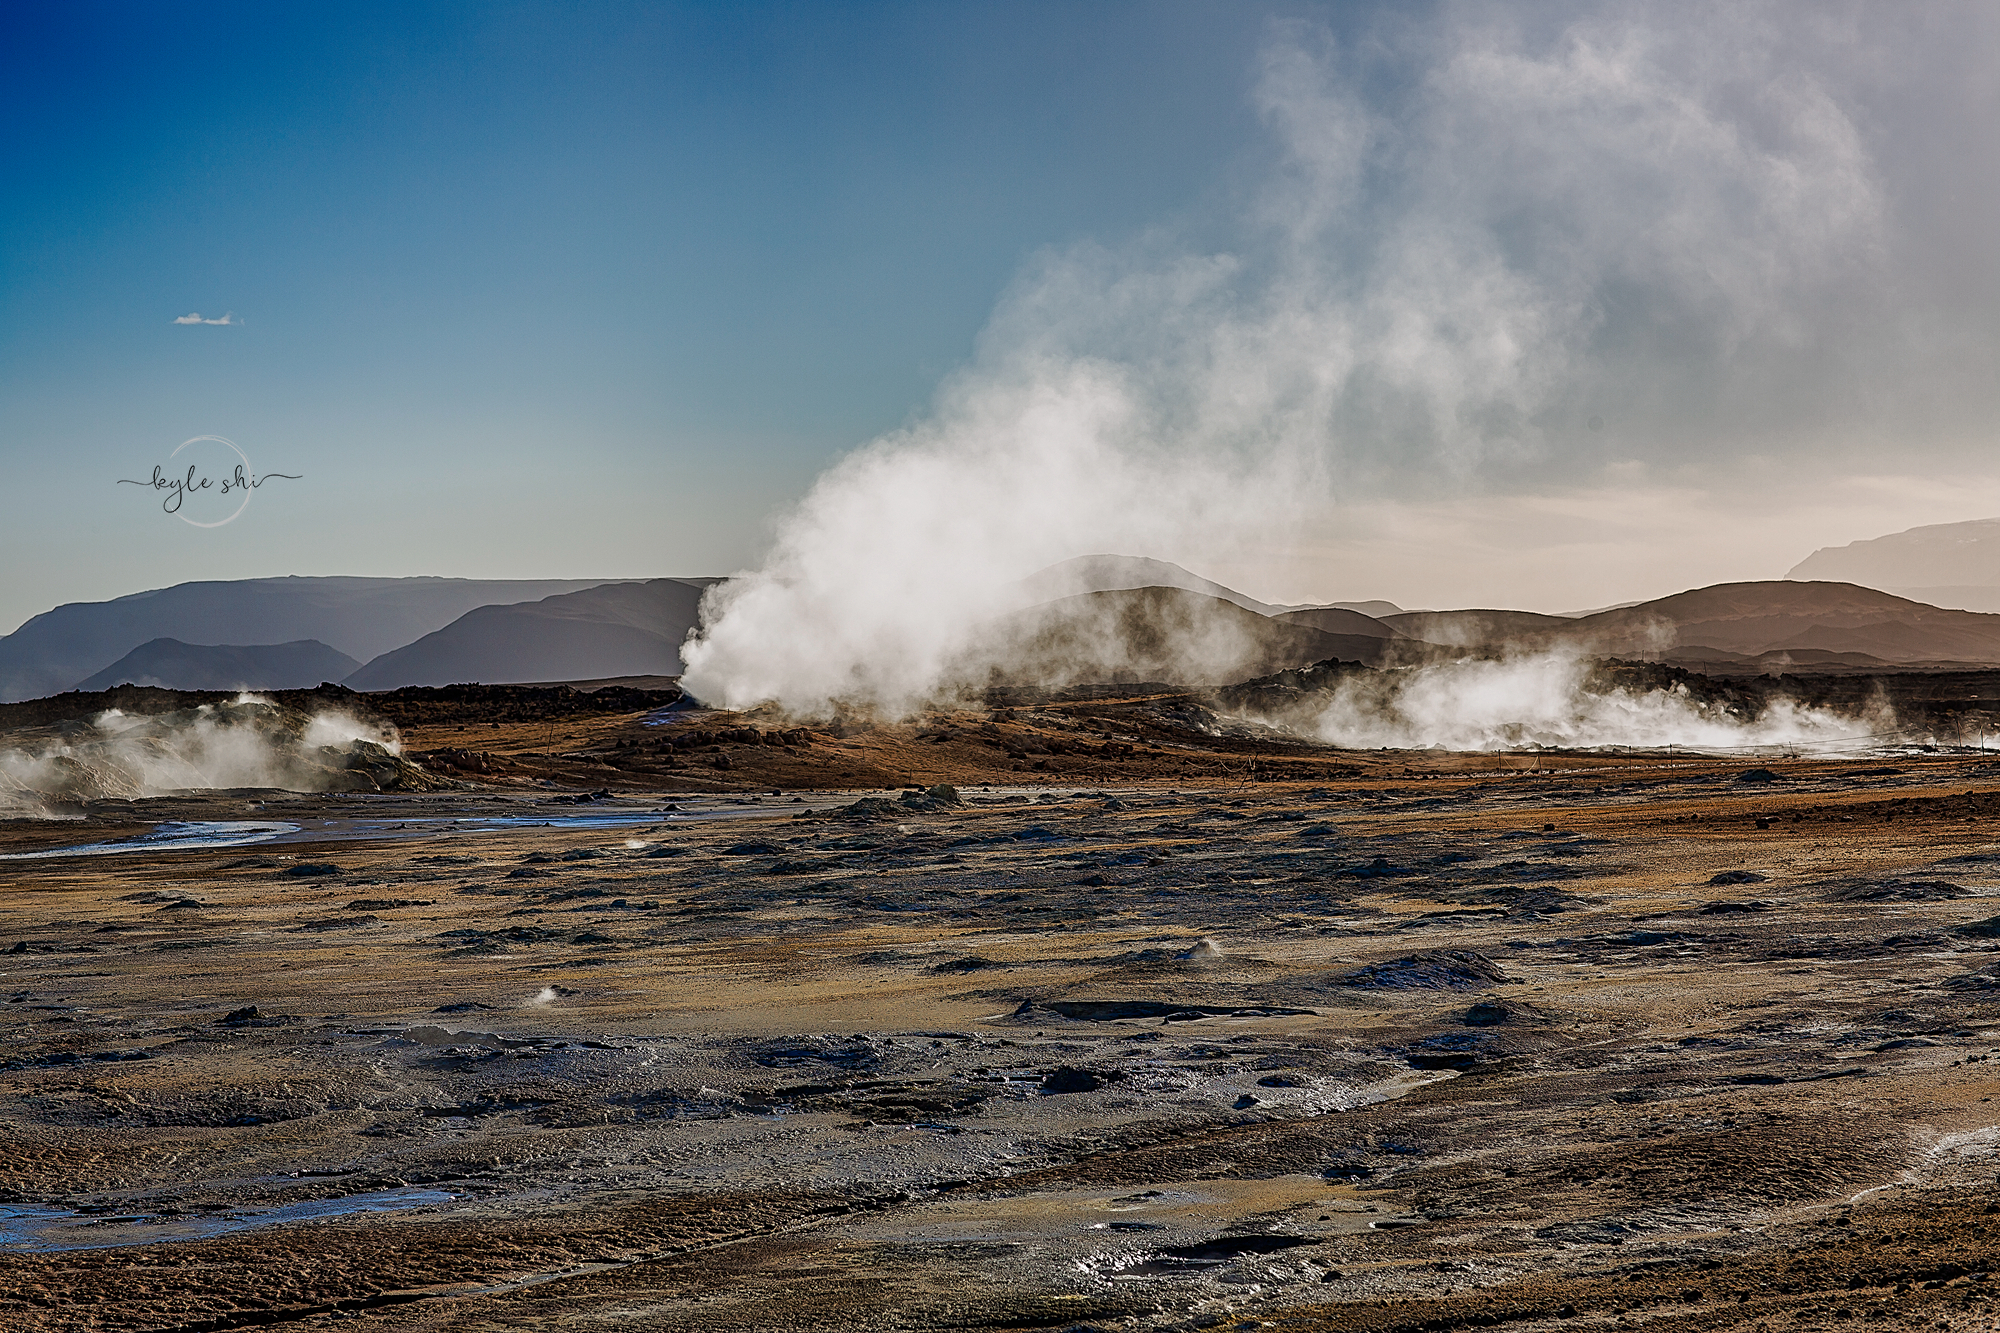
(1412, 1043)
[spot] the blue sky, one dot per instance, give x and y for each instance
(600, 289)
(537, 289)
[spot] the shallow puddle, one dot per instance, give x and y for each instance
(50, 1229)
(178, 836)
(211, 835)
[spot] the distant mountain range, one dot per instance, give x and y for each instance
(277, 633)
(1169, 633)
(359, 617)
(1094, 618)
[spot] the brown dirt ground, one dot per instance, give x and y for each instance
(779, 1075)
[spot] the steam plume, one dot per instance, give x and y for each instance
(1672, 211)
(250, 742)
(1548, 700)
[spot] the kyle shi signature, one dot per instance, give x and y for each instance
(241, 480)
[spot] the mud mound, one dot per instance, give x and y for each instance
(1897, 891)
(882, 810)
(1442, 969)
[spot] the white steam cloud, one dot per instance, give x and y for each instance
(195, 318)
(1663, 214)
(1547, 700)
(250, 742)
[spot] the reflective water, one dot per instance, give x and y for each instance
(208, 835)
(48, 1229)
(193, 835)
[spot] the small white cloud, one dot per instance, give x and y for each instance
(195, 318)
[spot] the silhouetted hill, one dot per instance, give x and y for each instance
(617, 629)
(1783, 615)
(1338, 620)
(171, 664)
(1951, 565)
(1937, 555)
(1376, 609)
(1765, 624)
(1151, 634)
(1123, 573)
(1464, 629)
(360, 617)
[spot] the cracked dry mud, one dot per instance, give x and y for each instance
(1582, 1048)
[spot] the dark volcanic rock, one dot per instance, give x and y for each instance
(1985, 979)
(1442, 969)
(971, 964)
(1065, 1078)
(1897, 891)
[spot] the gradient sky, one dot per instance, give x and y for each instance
(571, 290)
(532, 290)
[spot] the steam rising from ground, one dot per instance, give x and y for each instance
(1549, 700)
(1665, 212)
(249, 742)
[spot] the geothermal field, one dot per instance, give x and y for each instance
(628, 702)
(1128, 1007)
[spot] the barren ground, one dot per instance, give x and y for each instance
(1203, 1033)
